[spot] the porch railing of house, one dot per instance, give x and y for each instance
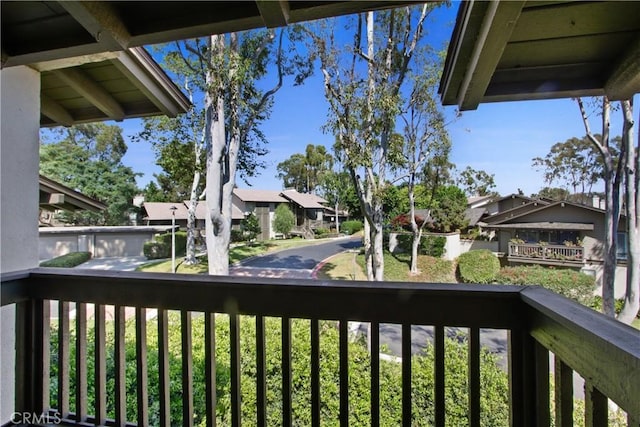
(605, 353)
(546, 253)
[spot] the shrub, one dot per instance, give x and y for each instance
(479, 266)
(250, 227)
(283, 219)
(69, 260)
(237, 236)
(494, 399)
(351, 227)
(181, 242)
(156, 250)
(572, 284)
(429, 245)
(321, 232)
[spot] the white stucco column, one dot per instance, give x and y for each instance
(19, 194)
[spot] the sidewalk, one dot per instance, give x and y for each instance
(116, 263)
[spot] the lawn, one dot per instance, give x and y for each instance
(349, 266)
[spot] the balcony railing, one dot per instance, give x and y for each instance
(604, 352)
(546, 254)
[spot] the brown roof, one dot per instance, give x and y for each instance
(307, 201)
(160, 211)
(260, 196)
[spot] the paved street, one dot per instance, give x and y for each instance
(295, 263)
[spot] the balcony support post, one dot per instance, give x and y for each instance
(521, 378)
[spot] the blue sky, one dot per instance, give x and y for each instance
(500, 138)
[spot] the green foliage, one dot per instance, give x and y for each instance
(476, 182)
(448, 209)
(160, 247)
(88, 158)
(156, 250)
(304, 172)
(321, 232)
(237, 236)
(494, 381)
(181, 241)
(572, 284)
(71, 259)
(250, 227)
(478, 266)
(351, 227)
(429, 245)
(596, 304)
(283, 219)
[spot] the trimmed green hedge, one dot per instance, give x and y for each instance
(480, 266)
(429, 245)
(69, 260)
(570, 283)
(351, 227)
(161, 246)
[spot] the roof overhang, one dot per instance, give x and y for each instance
(37, 31)
(54, 195)
(543, 226)
(527, 50)
(106, 86)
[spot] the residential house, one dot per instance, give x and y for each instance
(309, 211)
(263, 204)
(498, 52)
(162, 213)
(560, 234)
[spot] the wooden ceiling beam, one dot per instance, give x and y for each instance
(497, 25)
(624, 81)
(274, 13)
(55, 111)
(92, 91)
(101, 21)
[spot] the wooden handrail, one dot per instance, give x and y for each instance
(604, 352)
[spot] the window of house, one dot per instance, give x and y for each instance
(621, 247)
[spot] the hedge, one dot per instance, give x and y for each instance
(429, 245)
(479, 266)
(69, 260)
(572, 284)
(351, 227)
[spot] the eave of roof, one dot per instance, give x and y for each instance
(113, 86)
(525, 50)
(550, 206)
(543, 225)
(71, 200)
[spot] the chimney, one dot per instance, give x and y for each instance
(596, 202)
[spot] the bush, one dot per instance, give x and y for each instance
(156, 250)
(494, 399)
(283, 219)
(351, 227)
(250, 227)
(321, 232)
(181, 242)
(69, 260)
(572, 284)
(237, 236)
(429, 245)
(479, 266)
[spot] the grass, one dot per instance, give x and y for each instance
(396, 269)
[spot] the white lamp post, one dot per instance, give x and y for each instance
(173, 238)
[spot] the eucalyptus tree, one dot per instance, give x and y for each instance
(362, 84)
(476, 182)
(304, 171)
(228, 74)
(426, 144)
(620, 175)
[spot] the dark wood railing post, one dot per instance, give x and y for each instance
(521, 377)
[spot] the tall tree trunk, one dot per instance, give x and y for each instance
(190, 258)
(217, 224)
(612, 203)
(632, 206)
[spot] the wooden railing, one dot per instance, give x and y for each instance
(605, 353)
(555, 254)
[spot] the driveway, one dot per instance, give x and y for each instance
(297, 263)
